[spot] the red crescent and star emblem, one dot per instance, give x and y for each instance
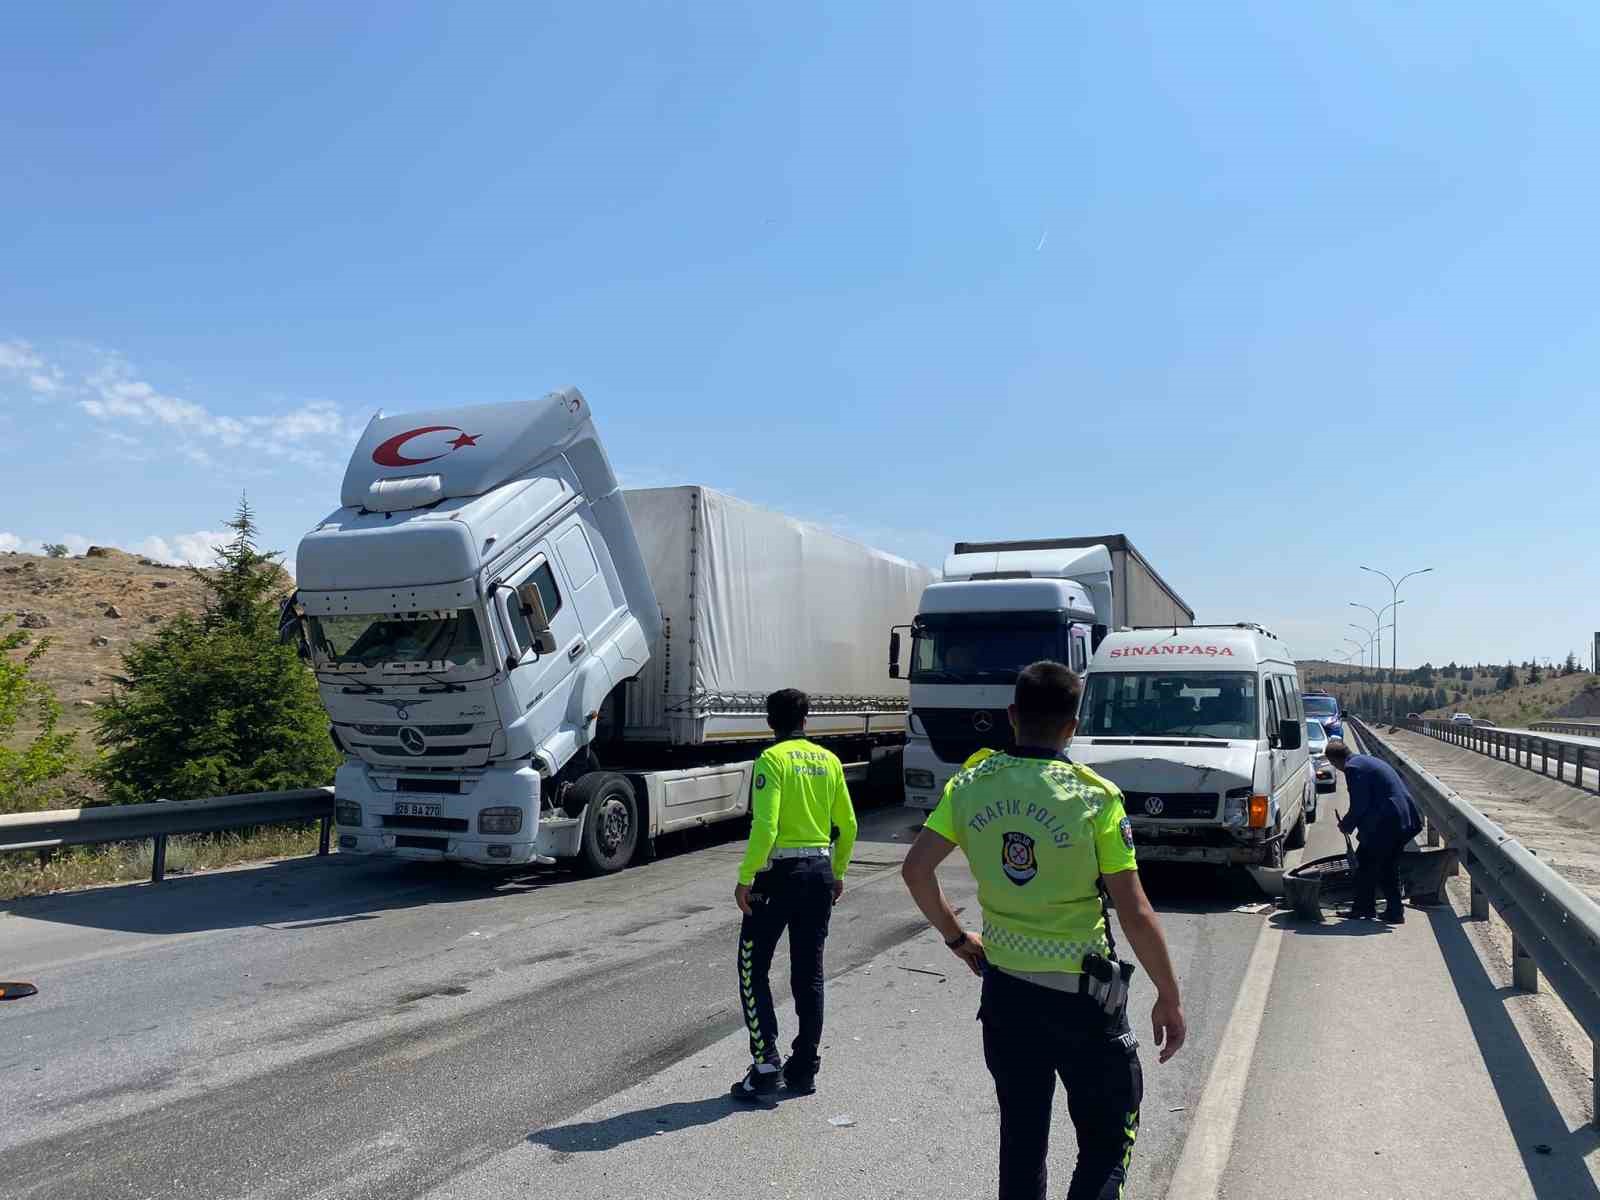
(388, 454)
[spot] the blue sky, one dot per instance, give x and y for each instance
(1274, 289)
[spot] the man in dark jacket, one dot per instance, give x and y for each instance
(1385, 817)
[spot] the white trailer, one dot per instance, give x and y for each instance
(523, 663)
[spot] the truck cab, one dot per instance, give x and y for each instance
(993, 614)
(468, 610)
(1203, 729)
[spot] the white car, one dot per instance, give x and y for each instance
(1462, 719)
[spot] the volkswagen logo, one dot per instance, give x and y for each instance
(411, 739)
(1155, 805)
(982, 721)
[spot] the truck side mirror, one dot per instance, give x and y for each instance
(894, 655)
(538, 622)
(1289, 735)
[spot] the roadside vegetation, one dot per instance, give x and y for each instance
(1505, 693)
(208, 703)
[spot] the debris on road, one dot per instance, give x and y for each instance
(843, 1121)
(16, 991)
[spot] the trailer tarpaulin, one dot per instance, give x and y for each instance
(755, 601)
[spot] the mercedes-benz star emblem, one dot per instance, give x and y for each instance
(1154, 805)
(982, 722)
(412, 741)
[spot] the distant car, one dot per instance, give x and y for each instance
(1324, 708)
(1413, 716)
(1462, 719)
(1317, 745)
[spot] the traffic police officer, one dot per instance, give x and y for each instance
(790, 879)
(1045, 839)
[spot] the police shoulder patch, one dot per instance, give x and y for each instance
(761, 782)
(1127, 832)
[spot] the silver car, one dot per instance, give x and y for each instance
(1317, 745)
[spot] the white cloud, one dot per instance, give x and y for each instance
(198, 548)
(135, 413)
(19, 359)
(18, 356)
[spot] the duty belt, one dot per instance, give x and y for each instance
(801, 852)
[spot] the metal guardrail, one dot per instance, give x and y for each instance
(1575, 728)
(47, 831)
(1520, 749)
(1555, 928)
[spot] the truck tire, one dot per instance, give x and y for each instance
(611, 828)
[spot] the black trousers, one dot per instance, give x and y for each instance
(1378, 865)
(794, 894)
(1031, 1036)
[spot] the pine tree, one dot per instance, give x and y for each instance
(1508, 678)
(1570, 667)
(214, 704)
(26, 772)
(1534, 674)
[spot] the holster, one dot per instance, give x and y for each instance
(1106, 981)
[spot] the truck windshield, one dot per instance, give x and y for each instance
(974, 655)
(1320, 706)
(447, 639)
(1217, 704)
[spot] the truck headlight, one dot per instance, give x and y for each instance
(347, 812)
(919, 780)
(504, 819)
(1236, 808)
(914, 725)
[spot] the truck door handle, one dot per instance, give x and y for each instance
(577, 649)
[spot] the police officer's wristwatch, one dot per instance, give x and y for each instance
(952, 943)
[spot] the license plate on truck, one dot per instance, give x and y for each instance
(410, 808)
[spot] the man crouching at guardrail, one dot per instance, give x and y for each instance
(1385, 817)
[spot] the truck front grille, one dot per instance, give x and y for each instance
(955, 733)
(425, 730)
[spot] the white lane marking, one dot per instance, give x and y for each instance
(1210, 1138)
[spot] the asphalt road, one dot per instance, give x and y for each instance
(349, 1027)
(1573, 739)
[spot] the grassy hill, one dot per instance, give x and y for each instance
(1475, 690)
(71, 602)
(92, 608)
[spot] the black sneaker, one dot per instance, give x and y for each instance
(801, 1077)
(757, 1087)
(1359, 914)
(1394, 916)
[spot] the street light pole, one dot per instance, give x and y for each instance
(1394, 589)
(1360, 652)
(1371, 633)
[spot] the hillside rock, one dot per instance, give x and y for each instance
(113, 611)
(98, 552)
(34, 620)
(80, 591)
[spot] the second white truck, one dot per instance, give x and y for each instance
(998, 607)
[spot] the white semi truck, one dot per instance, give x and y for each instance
(999, 607)
(523, 663)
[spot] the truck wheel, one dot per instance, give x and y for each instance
(1297, 836)
(611, 828)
